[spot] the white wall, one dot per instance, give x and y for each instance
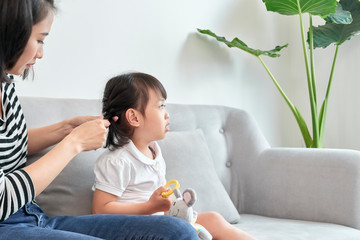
(93, 40)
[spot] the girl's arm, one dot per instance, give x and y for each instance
(41, 138)
(105, 203)
(87, 136)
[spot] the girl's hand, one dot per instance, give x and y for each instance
(157, 202)
(89, 135)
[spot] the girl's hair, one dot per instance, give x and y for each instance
(17, 18)
(122, 93)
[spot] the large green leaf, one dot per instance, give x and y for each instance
(294, 7)
(340, 17)
(339, 33)
(240, 44)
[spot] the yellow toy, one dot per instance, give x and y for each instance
(182, 207)
(176, 185)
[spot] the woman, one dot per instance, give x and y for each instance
(24, 24)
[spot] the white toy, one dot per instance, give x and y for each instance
(182, 207)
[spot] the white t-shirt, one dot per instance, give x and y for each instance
(129, 174)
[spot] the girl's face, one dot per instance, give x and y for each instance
(34, 46)
(156, 120)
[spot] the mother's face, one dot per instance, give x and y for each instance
(34, 46)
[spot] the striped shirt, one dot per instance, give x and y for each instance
(16, 187)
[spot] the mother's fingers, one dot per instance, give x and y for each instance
(106, 123)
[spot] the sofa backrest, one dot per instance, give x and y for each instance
(232, 136)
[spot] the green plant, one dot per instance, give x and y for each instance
(342, 21)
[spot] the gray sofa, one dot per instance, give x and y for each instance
(272, 193)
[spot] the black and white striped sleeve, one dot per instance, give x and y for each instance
(16, 190)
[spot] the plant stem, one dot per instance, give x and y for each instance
(316, 128)
(314, 115)
(312, 62)
(299, 119)
(324, 107)
(332, 72)
(292, 107)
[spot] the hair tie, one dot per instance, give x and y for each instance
(115, 118)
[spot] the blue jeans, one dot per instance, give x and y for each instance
(31, 223)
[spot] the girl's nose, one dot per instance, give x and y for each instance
(167, 115)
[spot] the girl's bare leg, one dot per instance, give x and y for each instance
(219, 228)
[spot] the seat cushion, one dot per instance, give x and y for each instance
(266, 228)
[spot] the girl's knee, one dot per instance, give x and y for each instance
(216, 215)
(212, 216)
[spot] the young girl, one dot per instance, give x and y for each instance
(130, 175)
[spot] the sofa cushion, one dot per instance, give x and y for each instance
(267, 228)
(188, 160)
(70, 193)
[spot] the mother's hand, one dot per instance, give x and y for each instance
(41, 138)
(86, 136)
(89, 135)
(71, 123)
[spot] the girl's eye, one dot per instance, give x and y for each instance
(40, 41)
(162, 106)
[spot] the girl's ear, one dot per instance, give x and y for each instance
(132, 117)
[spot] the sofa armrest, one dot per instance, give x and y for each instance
(321, 185)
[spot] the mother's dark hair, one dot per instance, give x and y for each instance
(17, 18)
